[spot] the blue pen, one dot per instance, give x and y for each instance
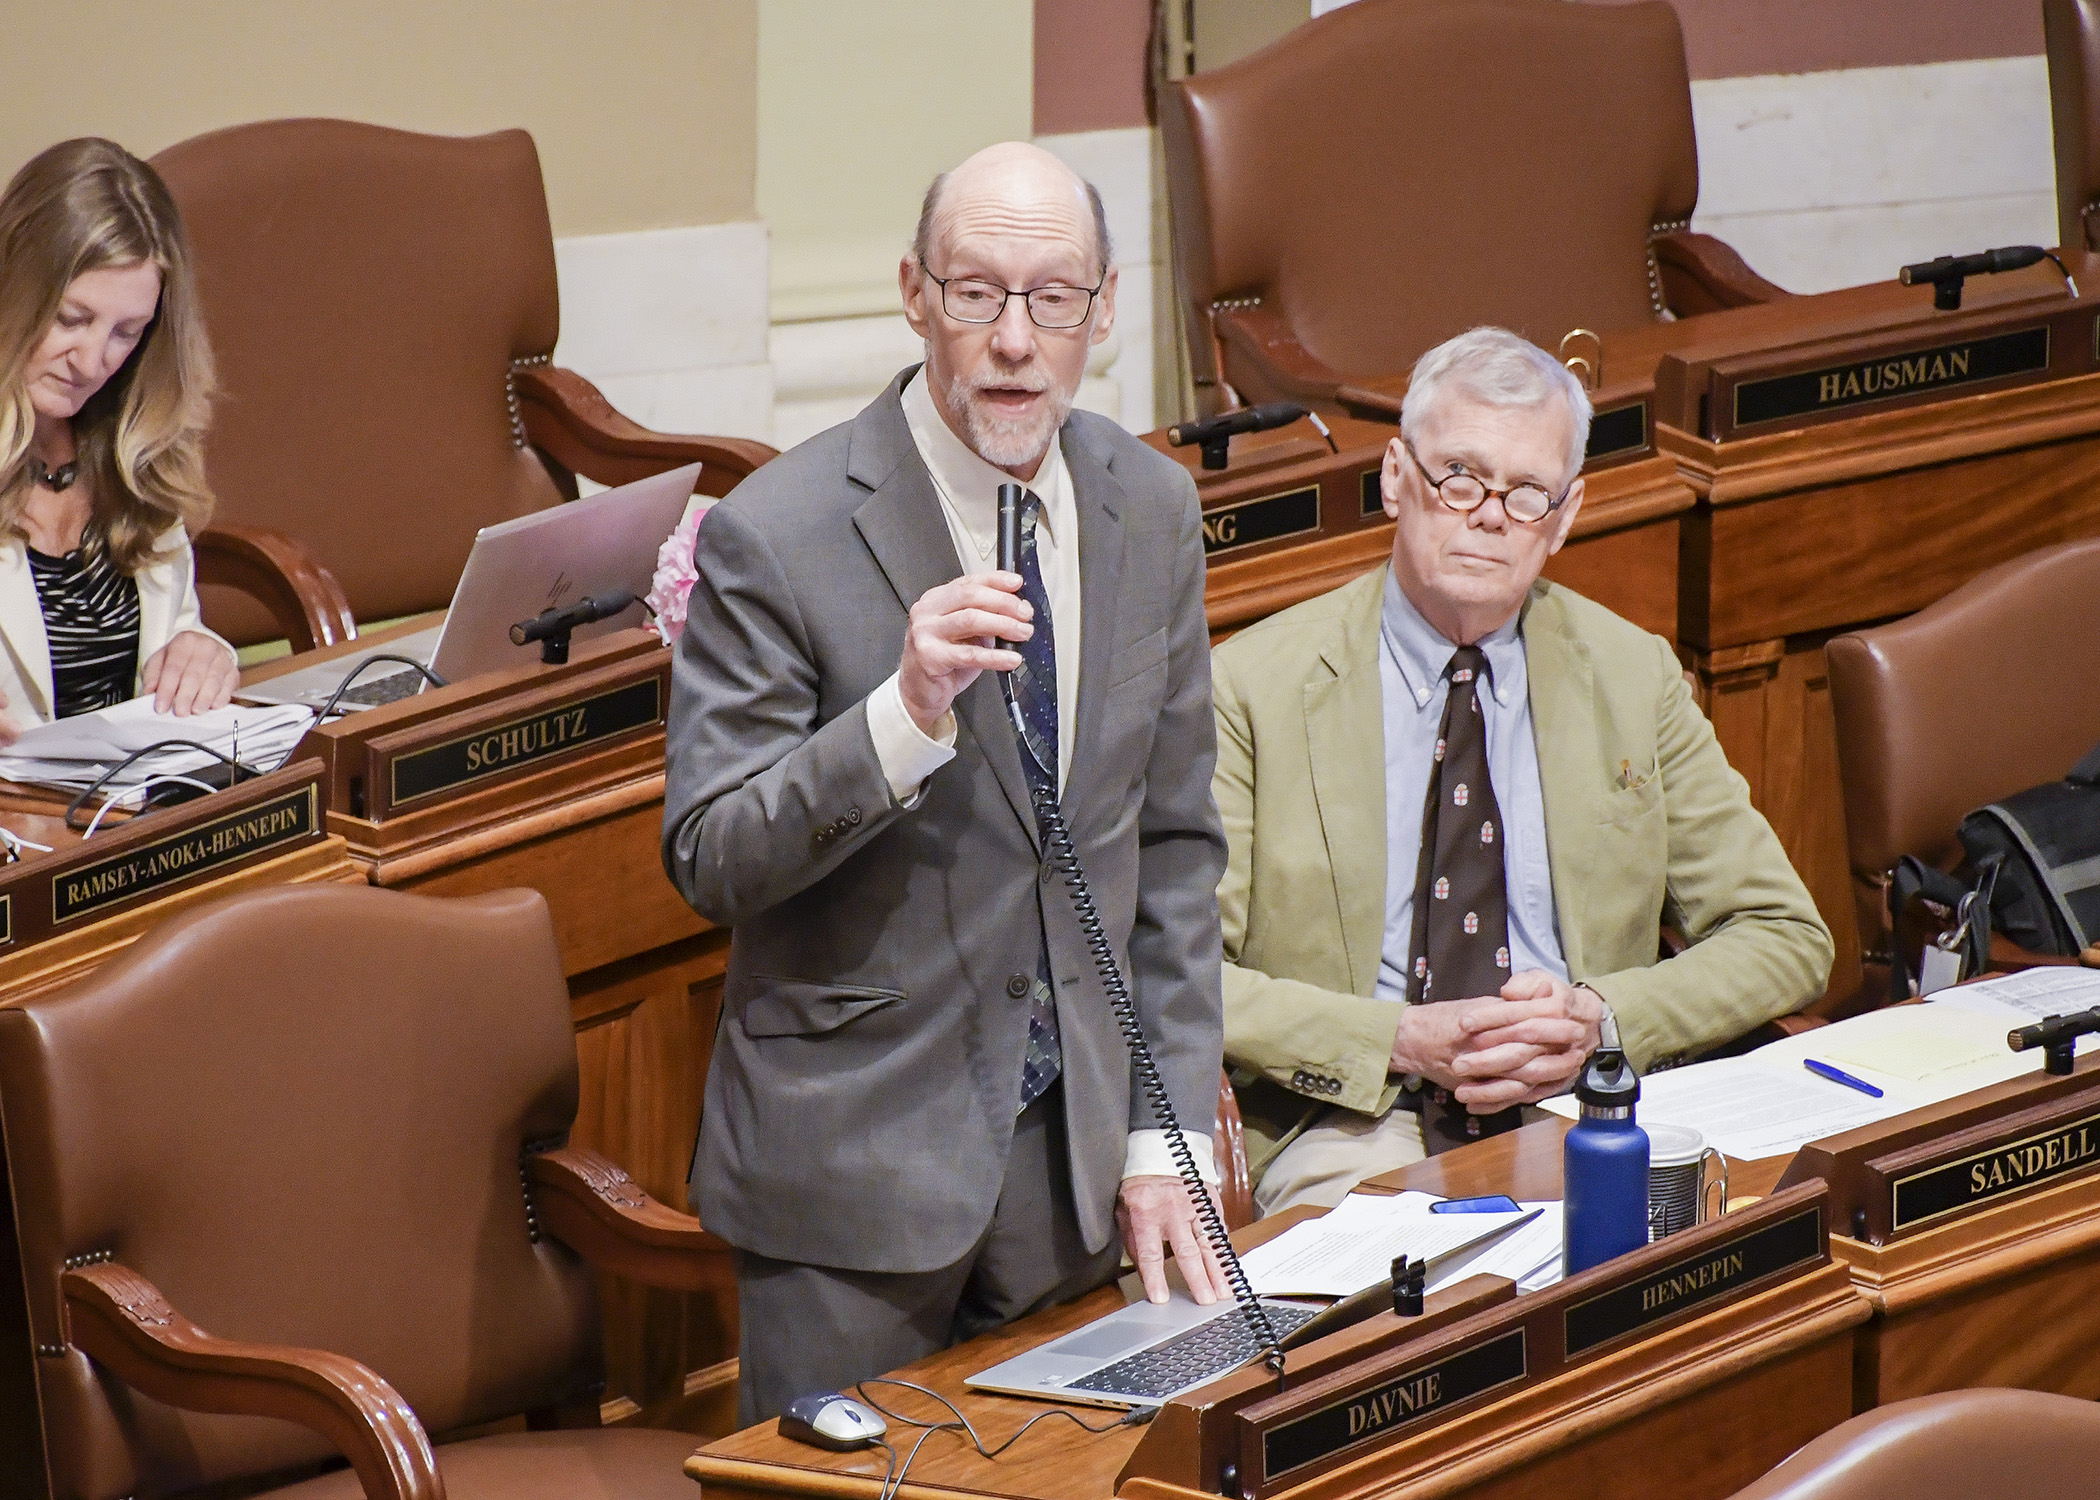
(1825, 1070)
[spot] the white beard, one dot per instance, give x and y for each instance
(1000, 441)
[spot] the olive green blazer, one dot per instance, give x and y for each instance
(1646, 823)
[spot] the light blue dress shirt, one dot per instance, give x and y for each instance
(1411, 661)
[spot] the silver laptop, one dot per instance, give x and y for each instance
(1143, 1354)
(517, 569)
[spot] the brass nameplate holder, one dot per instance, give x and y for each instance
(1410, 1389)
(463, 760)
(1618, 433)
(1937, 367)
(129, 864)
(1929, 1166)
(1271, 518)
(1369, 495)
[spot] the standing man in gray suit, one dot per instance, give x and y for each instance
(921, 1121)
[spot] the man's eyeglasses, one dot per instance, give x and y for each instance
(1052, 307)
(1523, 503)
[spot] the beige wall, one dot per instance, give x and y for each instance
(644, 110)
(859, 105)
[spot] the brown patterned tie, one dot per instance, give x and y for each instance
(1461, 919)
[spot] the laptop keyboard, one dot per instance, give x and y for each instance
(1194, 1356)
(375, 691)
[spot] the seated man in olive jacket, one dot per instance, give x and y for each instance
(1461, 802)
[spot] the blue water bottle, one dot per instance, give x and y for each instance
(1604, 1174)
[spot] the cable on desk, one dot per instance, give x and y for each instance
(74, 807)
(894, 1481)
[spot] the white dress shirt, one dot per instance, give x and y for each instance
(969, 492)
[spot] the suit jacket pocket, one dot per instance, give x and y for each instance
(806, 1007)
(1138, 658)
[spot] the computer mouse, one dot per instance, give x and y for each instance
(830, 1420)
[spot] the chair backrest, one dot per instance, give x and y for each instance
(2071, 32)
(1977, 696)
(1397, 171)
(1981, 1445)
(300, 1113)
(366, 292)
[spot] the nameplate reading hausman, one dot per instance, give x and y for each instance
(1714, 1269)
(1272, 517)
(503, 747)
(1977, 1178)
(1946, 366)
(288, 819)
(1420, 1392)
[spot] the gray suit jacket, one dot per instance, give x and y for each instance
(867, 1068)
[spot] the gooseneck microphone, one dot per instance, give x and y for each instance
(1946, 273)
(1215, 434)
(551, 627)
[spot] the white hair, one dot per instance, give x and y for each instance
(1497, 368)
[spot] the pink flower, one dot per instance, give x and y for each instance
(674, 576)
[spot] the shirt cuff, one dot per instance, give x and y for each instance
(1147, 1156)
(906, 753)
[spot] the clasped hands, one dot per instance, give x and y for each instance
(1518, 1047)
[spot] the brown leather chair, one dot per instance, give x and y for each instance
(2071, 33)
(1981, 1445)
(325, 1123)
(383, 308)
(1396, 171)
(1977, 696)
(1229, 1152)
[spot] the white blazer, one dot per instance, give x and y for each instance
(167, 607)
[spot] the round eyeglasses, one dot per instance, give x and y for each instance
(1462, 492)
(968, 300)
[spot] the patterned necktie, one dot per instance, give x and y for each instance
(1461, 918)
(1035, 694)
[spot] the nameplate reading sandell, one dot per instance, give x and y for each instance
(128, 864)
(1412, 1388)
(1928, 1166)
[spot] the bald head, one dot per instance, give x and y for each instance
(1017, 186)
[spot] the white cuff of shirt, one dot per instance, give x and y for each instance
(906, 753)
(1147, 1156)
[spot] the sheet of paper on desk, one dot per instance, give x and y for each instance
(74, 753)
(1750, 1107)
(2028, 996)
(1352, 1246)
(1529, 1255)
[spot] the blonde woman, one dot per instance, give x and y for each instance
(105, 383)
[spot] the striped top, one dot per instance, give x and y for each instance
(91, 620)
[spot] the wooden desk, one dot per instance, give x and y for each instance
(1728, 1394)
(645, 973)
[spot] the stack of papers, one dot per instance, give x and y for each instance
(1353, 1246)
(72, 754)
(1767, 1104)
(1529, 1254)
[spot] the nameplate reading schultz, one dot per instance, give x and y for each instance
(1804, 393)
(1268, 519)
(289, 819)
(1420, 1392)
(518, 742)
(1950, 1187)
(1714, 1269)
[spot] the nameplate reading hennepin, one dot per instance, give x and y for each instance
(518, 742)
(284, 820)
(1981, 1176)
(1713, 1270)
(2022, 352)
(1421, 1392)
(1268, 519)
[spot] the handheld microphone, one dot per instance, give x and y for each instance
(1215, 434)
(1946, 273)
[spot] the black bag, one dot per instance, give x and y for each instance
(2047, 842)
(1924, 904)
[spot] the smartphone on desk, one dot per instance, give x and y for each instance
(1496, 1203)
